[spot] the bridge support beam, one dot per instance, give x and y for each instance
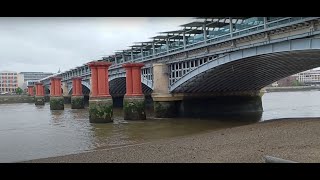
(56, 98)
(247, 104)
(133, 101)
(30, 91)
(100, 102)
(77, 99)
(39, 98)
(66, 96)
(166, 105)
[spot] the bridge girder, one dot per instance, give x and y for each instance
(252, 68)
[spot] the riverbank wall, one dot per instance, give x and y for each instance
(289, 89)
(8, 99)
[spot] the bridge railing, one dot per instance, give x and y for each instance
(283, 21)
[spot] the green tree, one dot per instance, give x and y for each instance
(297, 83)
(19, 91)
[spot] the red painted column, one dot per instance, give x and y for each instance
(99, 79)
(133, 79)
(94, 80)
(58, 84)
(52, 87)
(42, 90)
(79, 89)
(136, 79)
(76, 86)
(128, 79)
(102, 81)
(107, 78)
(30, 90)
(55, 89)
(39, 89)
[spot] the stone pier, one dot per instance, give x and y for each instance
(100, 102)
(39, 97)
(77, 99)
(133, 101)
(56, 98)
(66, 96)
(165, 105)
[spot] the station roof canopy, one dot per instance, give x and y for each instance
(174, 32)
(191, 28)
(212, 18)
(160, 37)
(137, 46)
(211, 24)
(144, 43)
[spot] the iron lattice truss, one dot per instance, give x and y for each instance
(200, 26)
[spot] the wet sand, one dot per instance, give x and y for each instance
(295, 139)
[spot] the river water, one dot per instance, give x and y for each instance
(30, 132)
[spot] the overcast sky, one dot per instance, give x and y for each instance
(49, 43)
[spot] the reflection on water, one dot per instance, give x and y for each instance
(28, 131)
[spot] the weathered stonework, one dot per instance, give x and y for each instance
(39, 100)
(100, 110)
(77, 102)
(56, 103)
(134, 108)
(212, 106)
(165, 109)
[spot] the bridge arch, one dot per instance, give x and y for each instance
(86, 88)
(251, 68)
(117, 86)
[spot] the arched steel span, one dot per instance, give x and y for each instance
(251, 69)
(85, 90)
(47, 90)
(117, 86)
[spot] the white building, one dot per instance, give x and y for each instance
(8, 81)
(30, 78)
(309, 77)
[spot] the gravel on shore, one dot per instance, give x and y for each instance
(296, 139)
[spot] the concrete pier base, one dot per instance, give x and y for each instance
(166, 105)
(39, 100)
(134, 108)
(166, 109)
(211, 106)
(100, 109)
(56, 103)
(77, 102)
(67, 99)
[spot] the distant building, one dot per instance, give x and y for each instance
(8, 81)
(30, 78)
(309, 77)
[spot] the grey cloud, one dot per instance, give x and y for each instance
(45, 44)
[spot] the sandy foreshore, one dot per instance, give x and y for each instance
(295, 139)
